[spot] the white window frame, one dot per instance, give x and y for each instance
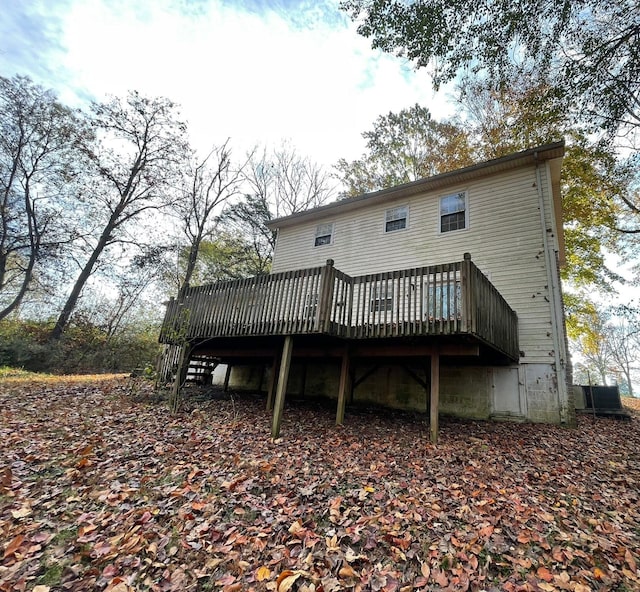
(381, 298)
(441, 214)
(395, 214)
(310, 306)
(321, 233)
(443, 296)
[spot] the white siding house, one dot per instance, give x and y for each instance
(507, 214)
(441, 295)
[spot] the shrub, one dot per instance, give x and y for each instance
(84, 348)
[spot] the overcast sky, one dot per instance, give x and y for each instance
(257, 71)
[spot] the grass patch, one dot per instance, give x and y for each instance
(52, 575)
(7, 372)
(18, 376)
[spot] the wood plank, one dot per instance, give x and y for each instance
(281, 390)
(435, 398)
(273, 382)
(413, 350)
(344, 386)
(227, 376)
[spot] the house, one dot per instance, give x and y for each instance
(440, 295)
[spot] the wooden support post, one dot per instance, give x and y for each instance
(344, 387)
(283, 378)
(227, 376)
(181, 377)
(273, 383)
(435, 397)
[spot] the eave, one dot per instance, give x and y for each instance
(460, 176)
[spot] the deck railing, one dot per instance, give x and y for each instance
(447, 299)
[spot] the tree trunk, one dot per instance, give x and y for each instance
(28, 275)
(72, 301)
(191, 262)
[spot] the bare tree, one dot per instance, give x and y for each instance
(38, 141)
(209, 183)
(277, 183)
(288, 182)
(140, 145)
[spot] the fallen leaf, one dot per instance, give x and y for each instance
(285, 584)
(544, 574)
(22, 512)
(263, 573)
(13, 546)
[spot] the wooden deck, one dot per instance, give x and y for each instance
(448, 299)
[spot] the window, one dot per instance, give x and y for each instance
(453, 212)
(396, 219)
(443, 296)
(447, 300)
(381, 298)
(310, 305)
(324, 234)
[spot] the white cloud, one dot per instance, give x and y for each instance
(255, 72)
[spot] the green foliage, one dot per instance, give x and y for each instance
(227, 256)
(588, 50)
(84, 348)
(406, 146)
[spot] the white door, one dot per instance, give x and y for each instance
(506, 392)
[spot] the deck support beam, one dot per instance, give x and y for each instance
(273, 382)
(283, 379)
(227, 376)
(435, 397)
(344, 387)
(181, 377)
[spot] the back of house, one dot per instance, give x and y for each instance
(507, 214)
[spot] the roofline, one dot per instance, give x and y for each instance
(511, 161)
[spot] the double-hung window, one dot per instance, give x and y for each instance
(381, 298)
(396, 219)
(310, 305)
(324, 234)
(453, 212)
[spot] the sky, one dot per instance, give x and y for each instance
(254, 71)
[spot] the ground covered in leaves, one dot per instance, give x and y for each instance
(102, 489)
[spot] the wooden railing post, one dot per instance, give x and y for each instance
(467, 294)
(325, 300)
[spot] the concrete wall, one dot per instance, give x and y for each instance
(513, 393)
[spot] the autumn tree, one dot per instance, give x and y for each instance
(589, 50)
(403, 147)
(140, 144)
(623, 340)
(588, 334)
(38, 162)
(595, 183)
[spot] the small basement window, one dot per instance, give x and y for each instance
(453, 212)
(396, 219)
(324, 234)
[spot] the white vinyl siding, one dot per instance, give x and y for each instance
(512, 254)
